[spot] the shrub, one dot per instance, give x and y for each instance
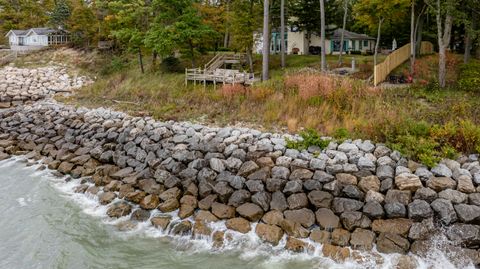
(469, 78)
(310, 138)
(341, 134)
(230, 90)
(171, 65)
(115, 65)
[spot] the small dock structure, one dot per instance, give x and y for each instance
(215, 71)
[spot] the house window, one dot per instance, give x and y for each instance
(336, 45)
(365, 43)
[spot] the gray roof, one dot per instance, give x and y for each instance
(42, 31)
(19, 32)
(337, 34)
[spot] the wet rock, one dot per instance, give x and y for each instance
(273, 217)
(319, 236)
(362, 239)
(467, 213)
(336, 253)
(293, 228)
(182, 228)
(340, 237)
(239, 197)
(297, 245)
(326, 219)
(303, 216)
(421, 230)
(466, 234)
(173, 193)
(222, 211)
(395, 226)
(150, 202)
(140, 215)
(169, 205)
(205, 216)
(188, 204)
(65, 167)
(353, 220)
(161, 222)
(392, 243)
(250, 211)
(238, 224)
(207, 202)
(106, 197)
(119, 209)
(269, 233)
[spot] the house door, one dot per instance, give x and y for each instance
(21, 41)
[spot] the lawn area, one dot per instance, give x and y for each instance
(421, 121)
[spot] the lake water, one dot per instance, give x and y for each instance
(44, 224)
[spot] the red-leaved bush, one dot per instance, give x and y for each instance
(229, 90)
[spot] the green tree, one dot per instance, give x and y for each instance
(83, 24)
(373, 13)
(178, 24)
(245, 20)
(23, 14)
(130, 21)
(60, 14)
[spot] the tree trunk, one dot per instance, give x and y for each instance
(345, 13)
(140, 60)
(469, 38)
(154, 60)
(282, 32)
(250, 59)
(192, 53)
(443, 43)
(377, 44)
(226, 39)
(266, 43)
(412, 40)
(322, 35)
(419, 30)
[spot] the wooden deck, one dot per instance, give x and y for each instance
(215, 72)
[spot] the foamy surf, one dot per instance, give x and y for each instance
(246, 247)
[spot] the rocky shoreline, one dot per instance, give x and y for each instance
(352, 196)
(20, 85)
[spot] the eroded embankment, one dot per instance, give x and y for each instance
(352, 196)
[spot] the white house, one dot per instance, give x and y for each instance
(300, 42)
(36, 37)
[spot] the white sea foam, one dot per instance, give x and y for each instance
(248, 246)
